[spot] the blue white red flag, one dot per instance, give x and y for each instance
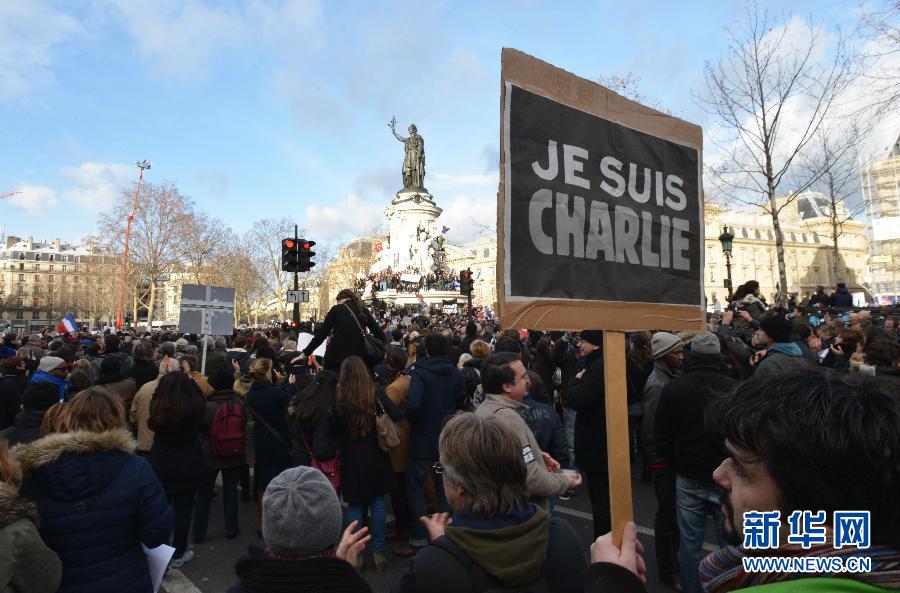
(67, 324)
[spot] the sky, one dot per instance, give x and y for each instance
(264, 108)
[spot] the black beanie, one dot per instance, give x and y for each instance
(776, 327)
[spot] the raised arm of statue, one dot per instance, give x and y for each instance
(398, 136)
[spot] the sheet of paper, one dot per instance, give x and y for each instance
(303, 340)
(158, 559)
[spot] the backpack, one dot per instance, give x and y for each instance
(482, 582)
(227, 433)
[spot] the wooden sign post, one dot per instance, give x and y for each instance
(599, 225)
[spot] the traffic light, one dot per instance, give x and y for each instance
(466, 284)
(290, 255)
(306, 255)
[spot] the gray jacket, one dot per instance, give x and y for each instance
(775, 363)
(652, 390)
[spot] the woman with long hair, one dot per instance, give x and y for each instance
(346, 323)
(367, 472)
(94, 494)
(26, 563)
(267, 406)
(177, 415)
(311, 413)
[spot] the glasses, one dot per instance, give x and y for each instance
(437, 468)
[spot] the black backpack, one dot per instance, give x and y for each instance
(482, 582)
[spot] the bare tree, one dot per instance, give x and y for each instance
(770, 97)
(264, 246)
(835, 156)
(629, 86)
(203, 245)
(163, 214)
(881, 28)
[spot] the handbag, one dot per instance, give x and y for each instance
(373, 348)
(387, 430)
(331, 467)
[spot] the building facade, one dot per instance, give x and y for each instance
(42, 281)
(881, 198)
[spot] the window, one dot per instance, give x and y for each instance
(21, 290)
(21, 277)
(758, 235)
(76, 277)
(20, 303)
(51, 267)
(18, 314)
(37, 267)
(37, 302)
(21, 266)
(50, 278)
(37, 278)
(65, 268)
(52, 257)
(487, 253)
(21, 255)
(35, 314)
(37, 257)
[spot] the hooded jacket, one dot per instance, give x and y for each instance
(25, 428)
(26, 563)
(98, 503)
(435, 389)
(841, 298)
(41, 376)
(513, 551)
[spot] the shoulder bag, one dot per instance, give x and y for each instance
(386, 429)
(331, 468)
(373, 347)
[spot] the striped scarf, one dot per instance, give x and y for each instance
(723, 571)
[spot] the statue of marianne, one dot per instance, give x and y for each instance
(414, 157)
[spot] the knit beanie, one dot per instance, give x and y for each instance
(662, 343)
(301, 513)
(592, 336)
(706, 344)
(776, 327)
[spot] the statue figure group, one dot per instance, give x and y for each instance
(414, 157)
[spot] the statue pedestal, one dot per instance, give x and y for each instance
(412, 217)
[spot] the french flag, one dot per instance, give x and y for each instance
(67, 325)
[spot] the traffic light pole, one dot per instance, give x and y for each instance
(296, 280)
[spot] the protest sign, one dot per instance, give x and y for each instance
(600, 226)
(600, 214)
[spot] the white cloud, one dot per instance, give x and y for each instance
(33, 199)
(30, 35)
(469, 202)
(95, 186)
(351, 217)
(185, 40)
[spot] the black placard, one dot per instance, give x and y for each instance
(618, 218)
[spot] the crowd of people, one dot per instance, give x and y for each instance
(472, 435)
(414, 281)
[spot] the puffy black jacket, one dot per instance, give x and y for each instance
(841, 298)
(547, 428)
(587, 396)
(346, 339)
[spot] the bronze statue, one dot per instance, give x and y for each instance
(414, 158)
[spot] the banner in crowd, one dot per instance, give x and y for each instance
(600, 212)
(412, 278)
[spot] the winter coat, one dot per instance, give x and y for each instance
(652, 390)
(548, 429)
(777, 362)
(26, 563)
(240, 355)
(756, 308)
(397, 391)
(261, 573)
(98, 503)
(124, 359)
(435, 390)
(202, 383)
(366, 470)
(471, 371)
(177, 456)
(211, 461)
(841, 298)
(587, 397)
(11, 388)
(119, 386)
(346, 339)
(541, 483)
(143, 372)
(273, 454)
(25, 429)
(513, 551)
(319, 434)
(680, 432)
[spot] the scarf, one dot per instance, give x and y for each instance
(786, 348)
(722, 571)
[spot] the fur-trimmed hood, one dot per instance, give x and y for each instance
(13, 508)
(75, 465)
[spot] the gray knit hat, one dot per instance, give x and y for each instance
(301, 513)
(662, 343)
(705, 343)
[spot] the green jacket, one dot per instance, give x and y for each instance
(816, 584)
(26, 563)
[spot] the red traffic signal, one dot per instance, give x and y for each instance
(289, 244)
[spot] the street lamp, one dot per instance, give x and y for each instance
(726, 239)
